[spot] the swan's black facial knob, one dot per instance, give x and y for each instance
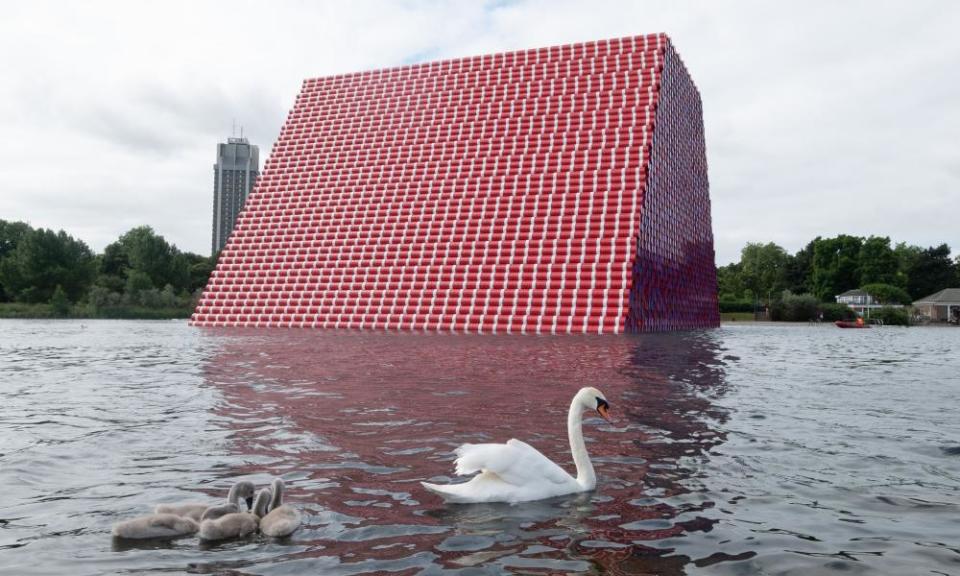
(249, 501)
(602, 407)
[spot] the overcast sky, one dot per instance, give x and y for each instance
(821, 117)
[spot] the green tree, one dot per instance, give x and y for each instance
(730, 283)
(878, 263)
(114, 260)
(148, 252)
(44, 259)
(891, 316)
(112, 268)
(142, 254)
(907, 256)
(932, 271)
(111, 283)
(836, 266)
(200, 272)
(190, 271)
(794, 307)
(763, 269)
(10, 235)
(168, 297)
(137, 282)
(101, 297)
(59, 302)
(800, 269)
(887, 293)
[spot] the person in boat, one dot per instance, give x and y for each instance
(859, 320)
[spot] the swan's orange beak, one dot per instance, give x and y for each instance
(602, 409)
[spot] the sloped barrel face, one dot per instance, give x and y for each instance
(500, 193)
(674, 278)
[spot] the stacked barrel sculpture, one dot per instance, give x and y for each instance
(556, 190)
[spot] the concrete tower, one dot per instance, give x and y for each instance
(236, 170)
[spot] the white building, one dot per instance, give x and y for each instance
(944, 306)
(859, 300)
(862, 302)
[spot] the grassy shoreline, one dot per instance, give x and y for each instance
(737, 317)
(15, 310)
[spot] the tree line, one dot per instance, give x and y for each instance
(140, 274)
(826, 267)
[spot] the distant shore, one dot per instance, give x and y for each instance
(15, 311)
(12, 310)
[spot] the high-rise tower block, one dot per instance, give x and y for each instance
(234, 174)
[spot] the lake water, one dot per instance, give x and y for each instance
(749, 449)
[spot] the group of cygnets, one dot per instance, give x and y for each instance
(266, 512)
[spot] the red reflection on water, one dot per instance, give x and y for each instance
(356, 420)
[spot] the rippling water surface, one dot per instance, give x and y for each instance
(745, 450)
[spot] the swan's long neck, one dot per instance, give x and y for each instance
(277, 499)
(585, 474)
(234, 496)
(262, 504)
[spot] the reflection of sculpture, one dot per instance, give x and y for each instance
(364, 417)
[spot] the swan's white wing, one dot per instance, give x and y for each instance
(515, 462)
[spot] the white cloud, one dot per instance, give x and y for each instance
(821, 117)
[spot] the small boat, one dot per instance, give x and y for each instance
(845, 324)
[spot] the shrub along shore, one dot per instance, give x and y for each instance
(802, 287)
(47, 274)
(18, 310)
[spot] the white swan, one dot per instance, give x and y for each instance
(517, 472)
(241, 490)
(283, 519)
(155, 526)
(234, 524)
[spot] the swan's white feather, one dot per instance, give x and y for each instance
(511, 472)
(234, 525)
(515, 462)
(155, 526)
(517, 472)
(192, 511)
(280, 522)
